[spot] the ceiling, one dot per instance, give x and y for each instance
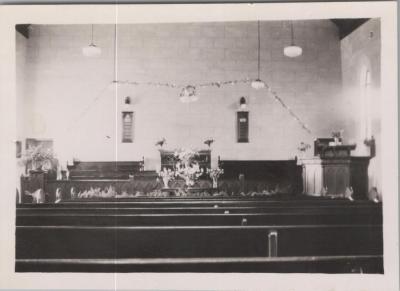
(348, 25)
(345, 26)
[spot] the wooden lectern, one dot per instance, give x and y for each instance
(335, 169)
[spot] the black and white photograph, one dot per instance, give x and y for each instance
(248, 145)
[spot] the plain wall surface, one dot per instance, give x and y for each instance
(71, 98)
(361, 50)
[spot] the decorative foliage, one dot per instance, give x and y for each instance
(109, 192)
(38, 157)
(167, 173)
(185, 156)
(188, 92)
(338, 133)
(303, 147)
(215, 173)
(187, 167)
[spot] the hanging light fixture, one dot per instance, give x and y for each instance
(293, 50)
(257, 83)
(91, 50)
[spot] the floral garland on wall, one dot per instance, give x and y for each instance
(188, 93)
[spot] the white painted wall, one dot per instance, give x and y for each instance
(361, 50)
(60, 83)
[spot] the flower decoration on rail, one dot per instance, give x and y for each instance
(167, 175)
(214, 175)
(187, 167)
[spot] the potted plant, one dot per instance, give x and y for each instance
(38, 158)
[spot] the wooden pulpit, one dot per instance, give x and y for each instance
(334, 169)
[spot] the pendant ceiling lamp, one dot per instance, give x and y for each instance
(257, 83)
(293, 50)
(91, 50)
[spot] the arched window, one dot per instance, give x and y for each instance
(127, 127)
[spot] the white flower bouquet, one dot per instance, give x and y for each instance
(167, 175)
(214, 175)
(187, 167)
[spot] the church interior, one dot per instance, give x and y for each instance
(250, 146)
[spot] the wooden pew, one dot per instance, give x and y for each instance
(43, 242)
(96, 219)
(209, 201)
(45, 209)
(145, 235)
(313, 264)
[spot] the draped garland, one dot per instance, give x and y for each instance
(191, 90)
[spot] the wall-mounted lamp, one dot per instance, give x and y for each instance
(242, 103)
(127, 100)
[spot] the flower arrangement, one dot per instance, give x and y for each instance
(214, 175)
(167, 175)
(337, 133)
(109, 192)
(303, 147)
(186, 156)
(337, 136)
(38, 157)
(187, 167)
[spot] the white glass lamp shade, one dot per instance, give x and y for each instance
(292, 51)
(91, 50)
(258, 84)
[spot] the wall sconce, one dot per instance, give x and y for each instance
(242, 103)
(127, 100)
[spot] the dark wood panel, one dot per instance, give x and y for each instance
(283, 175)
(104, 170)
